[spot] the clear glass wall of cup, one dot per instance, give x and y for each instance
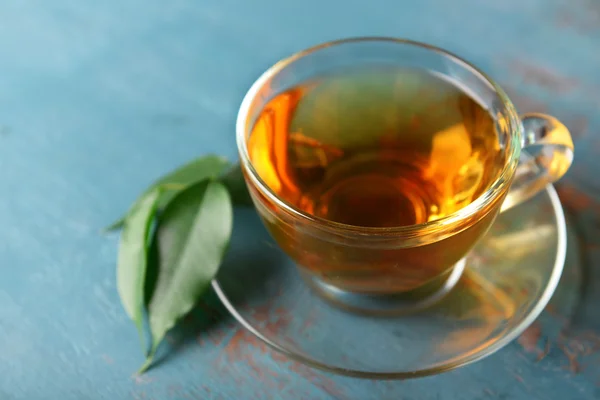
(403, 268)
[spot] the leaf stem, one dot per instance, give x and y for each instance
(147, 364)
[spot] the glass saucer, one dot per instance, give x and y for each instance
(509, 278)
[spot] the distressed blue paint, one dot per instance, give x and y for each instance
(99, 98)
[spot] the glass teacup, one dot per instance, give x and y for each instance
(377, 164)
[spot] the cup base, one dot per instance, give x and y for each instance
(388, 303)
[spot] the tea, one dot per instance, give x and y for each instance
(377, 148)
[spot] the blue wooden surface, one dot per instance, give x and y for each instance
(99, 98)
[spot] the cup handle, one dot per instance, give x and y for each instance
(547, 155)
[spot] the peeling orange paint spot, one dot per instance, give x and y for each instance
(530, 338)
(525, 103)
(582, 22)
(320, 381)
(544, 77)
(576, 200)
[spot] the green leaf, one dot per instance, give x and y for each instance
(233, 179)
(132, 259)
(192, 236)
(209, 166)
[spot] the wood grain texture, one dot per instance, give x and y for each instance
(97, 99)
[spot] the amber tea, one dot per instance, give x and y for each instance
(377, 148)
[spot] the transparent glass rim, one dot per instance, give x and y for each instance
(483, 352)
(485, 199)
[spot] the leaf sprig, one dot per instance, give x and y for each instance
(181, 227)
